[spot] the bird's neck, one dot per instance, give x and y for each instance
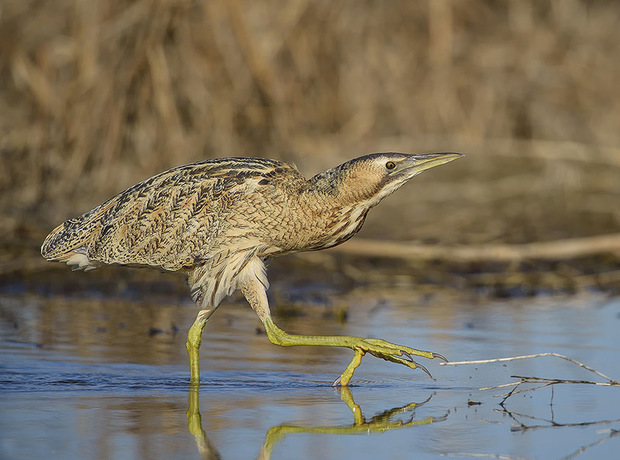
(340, 188)
(333, 210)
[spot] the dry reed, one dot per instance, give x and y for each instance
(97, 95)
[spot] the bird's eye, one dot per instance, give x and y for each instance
(390, 165)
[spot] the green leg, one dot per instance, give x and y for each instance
(377, 347)
(254, 291)
(194, 338)
(345, 377)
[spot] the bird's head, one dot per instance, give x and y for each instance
(370, 178)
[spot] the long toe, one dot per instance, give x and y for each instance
(397, 353)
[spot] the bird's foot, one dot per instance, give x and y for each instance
(388, 351)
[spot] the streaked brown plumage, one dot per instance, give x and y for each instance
(219, 219)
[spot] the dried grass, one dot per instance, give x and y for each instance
(97, 95)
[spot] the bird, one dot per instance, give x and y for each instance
(219, 220)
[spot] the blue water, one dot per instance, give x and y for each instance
(86, 379)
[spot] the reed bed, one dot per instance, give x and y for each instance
(97, 95)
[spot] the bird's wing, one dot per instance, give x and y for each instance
(173, 220)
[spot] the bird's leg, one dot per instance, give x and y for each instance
(194, 338)
(255, 294)
(345, 377)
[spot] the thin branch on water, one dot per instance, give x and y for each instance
(610, 381)
(544, 382)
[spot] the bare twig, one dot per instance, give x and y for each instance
(544, 382)
(537, 355)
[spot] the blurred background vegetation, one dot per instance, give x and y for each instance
(97, 95)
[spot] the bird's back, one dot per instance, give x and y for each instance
(170, 220)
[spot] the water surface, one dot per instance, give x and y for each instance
(91, 377)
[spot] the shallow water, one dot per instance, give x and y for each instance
(93, 378)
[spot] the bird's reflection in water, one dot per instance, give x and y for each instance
(194, 424)
(386, 420)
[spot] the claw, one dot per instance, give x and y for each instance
(423, 368)
(437, 355)
(416, 364)
(337, 382)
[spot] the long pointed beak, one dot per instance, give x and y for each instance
(415, 164)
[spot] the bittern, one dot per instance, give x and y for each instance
(218, 220)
